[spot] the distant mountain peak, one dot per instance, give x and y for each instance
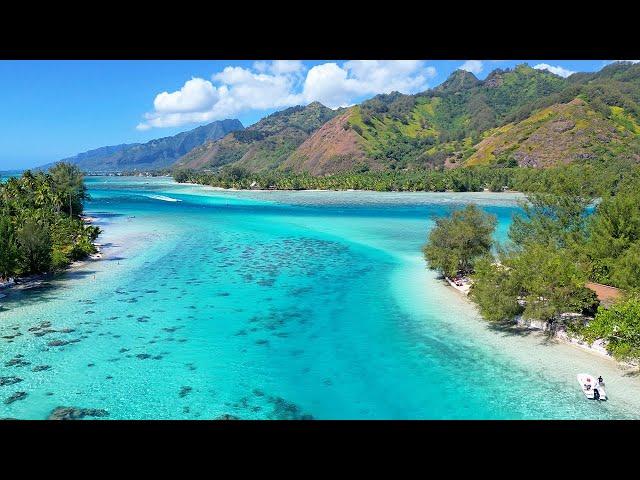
(316, 104)
(458, 80)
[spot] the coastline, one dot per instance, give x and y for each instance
(335, 189)
(561, 335)
(36, 280)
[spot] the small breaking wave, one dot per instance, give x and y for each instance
(163, 198)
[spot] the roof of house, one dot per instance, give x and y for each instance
(606, 293)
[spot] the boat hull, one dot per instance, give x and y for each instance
(591, 388)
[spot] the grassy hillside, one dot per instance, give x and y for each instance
(560, 133)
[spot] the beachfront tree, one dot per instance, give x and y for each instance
(38, 232)
(613, 239)
(68, 181)
(550, 281)
(8, 248)
(34, 244)
(538, 281)
(495, 290)
(555, 218)
(620, 327)
(458, 240)
(182, 175)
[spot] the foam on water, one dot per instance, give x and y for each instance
(163, 198)
(278, 305)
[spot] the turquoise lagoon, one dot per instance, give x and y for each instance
(275, 305)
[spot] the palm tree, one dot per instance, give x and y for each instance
(69, 182)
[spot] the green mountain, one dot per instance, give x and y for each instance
(523, 116)
(155, 154)
(264, 145)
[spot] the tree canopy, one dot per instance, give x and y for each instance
(620, 327)
(457, 241)
(40, 227)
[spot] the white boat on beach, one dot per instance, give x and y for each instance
(591, 387)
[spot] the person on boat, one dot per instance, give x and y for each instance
(600, 380)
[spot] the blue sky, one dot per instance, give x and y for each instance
(55, 109)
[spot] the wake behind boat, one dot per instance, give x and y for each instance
(591, 387)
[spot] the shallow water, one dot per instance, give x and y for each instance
(278, 305)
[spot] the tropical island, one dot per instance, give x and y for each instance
(572, 145)
(227, 300)
(41, 225)
(572, 234)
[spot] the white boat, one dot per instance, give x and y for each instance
(591, 388)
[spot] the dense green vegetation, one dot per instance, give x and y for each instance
(449, 122)
(40, 225)
(457, 241)
(612, 248)
(576, 226)
(424, 129)
(620, 327)
(598, 178)
(459, 180)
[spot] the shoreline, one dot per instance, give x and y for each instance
(334, 189)
(36, 280)
(561, 336)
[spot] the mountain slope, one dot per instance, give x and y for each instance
(333, 147)
(561, 133)
(155, 154)
(450, 126)
(522, 116)
(397, 131)
(264, 145)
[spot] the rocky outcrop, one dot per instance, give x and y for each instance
(15, 397)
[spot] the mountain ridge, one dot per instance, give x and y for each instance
(264, 145)
(155, 154)
(521, 116)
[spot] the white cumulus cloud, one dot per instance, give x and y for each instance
(473, 66)
(196, 95)
(337, 86)
(283, 83)
(558, 70)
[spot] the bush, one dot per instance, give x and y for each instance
(620, 327)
